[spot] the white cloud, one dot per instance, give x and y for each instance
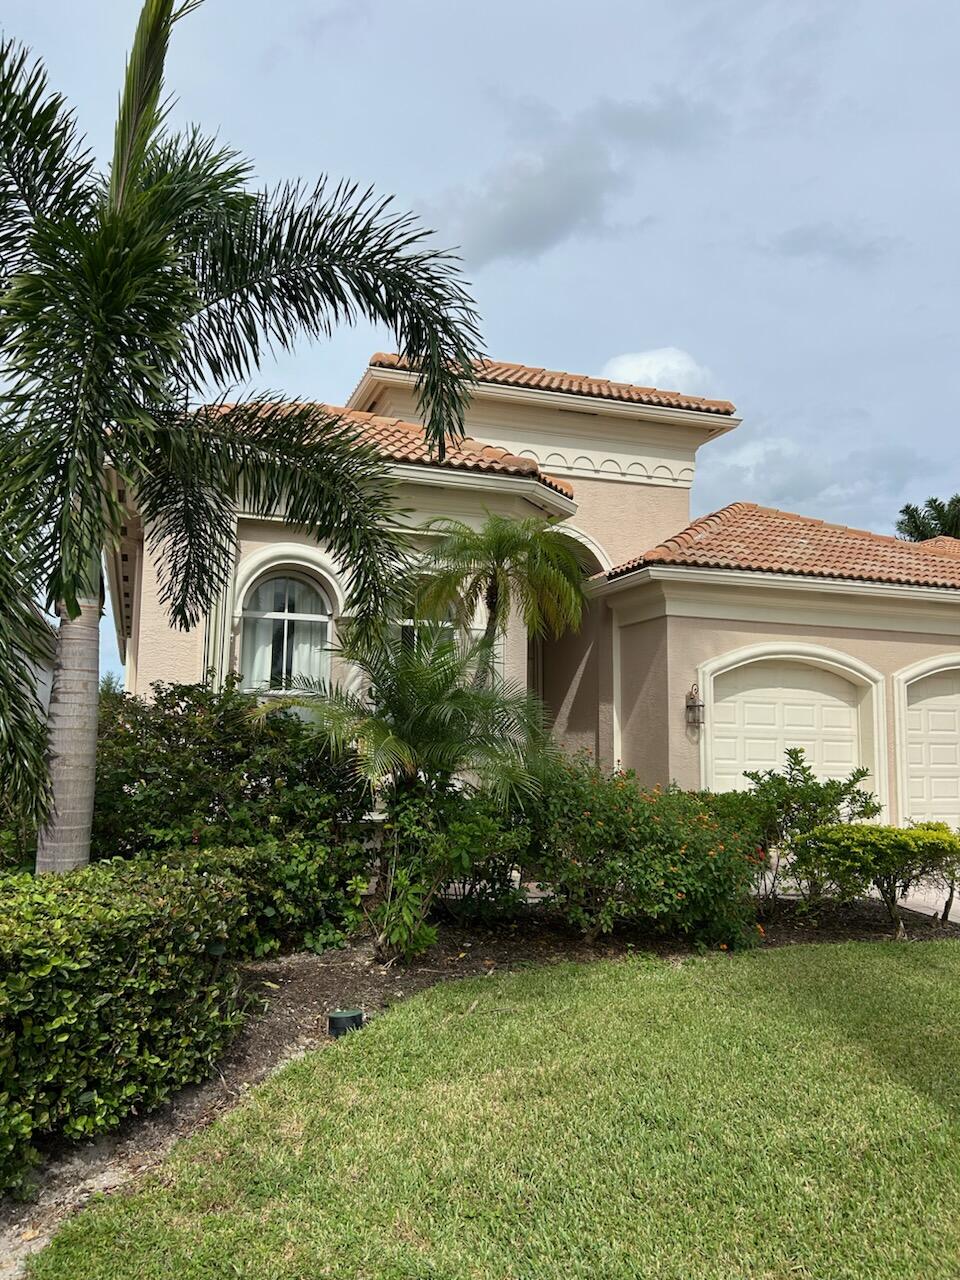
(814, 475)
(669, 368)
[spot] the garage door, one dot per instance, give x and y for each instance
(933, 748)
(761, 709)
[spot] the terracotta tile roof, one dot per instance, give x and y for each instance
(942, 546)
(763, 540)
(577, 384)
(405, 442)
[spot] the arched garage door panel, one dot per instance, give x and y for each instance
(933, 748)
(761, 709)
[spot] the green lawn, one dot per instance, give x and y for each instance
(785, 1113)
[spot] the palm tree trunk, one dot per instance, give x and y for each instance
(64, 842)
(485, 665)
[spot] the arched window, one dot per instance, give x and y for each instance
(286, 633)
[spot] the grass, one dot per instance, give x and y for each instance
(778, 1114)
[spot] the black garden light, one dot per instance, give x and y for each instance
(694, 707)
(341, 1021)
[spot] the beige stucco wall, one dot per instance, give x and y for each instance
(158, 650)
(628, 519)
(693, 641)
(621, 512)
(644, 702)
(573, 669)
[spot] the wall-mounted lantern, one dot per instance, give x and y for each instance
(694, 707)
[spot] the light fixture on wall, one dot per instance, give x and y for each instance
(694, 707)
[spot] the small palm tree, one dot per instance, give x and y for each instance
(126, 298)
(420, 731)
(420, 721)
(527, 564)
(936, 518)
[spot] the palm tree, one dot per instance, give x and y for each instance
(527, 564)
(420, 721)
(420, 731)
(936, 518)
(128, 297)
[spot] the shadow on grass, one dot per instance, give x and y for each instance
(897, 1005)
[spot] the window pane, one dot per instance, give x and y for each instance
(303, 597)
(256, 651)
(287, 595)
(268, 597)
(276, 654)
(306, 656)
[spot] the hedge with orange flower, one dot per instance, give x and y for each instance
(609, 852)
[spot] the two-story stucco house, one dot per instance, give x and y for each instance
(710, 646)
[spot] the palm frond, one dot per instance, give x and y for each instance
(142, 110)
(25, 643)
(261, 456)
(88, 335)
(301, 261)
(46, 170)
(937, 517)
(190, 182)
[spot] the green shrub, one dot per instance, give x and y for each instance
(296, 893)
(113, 994)
(610, 853)
(850, 859)
(791, 802)
(191, 767)
(457, 848)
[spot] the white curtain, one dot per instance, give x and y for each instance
(256, 651)
(307, 655)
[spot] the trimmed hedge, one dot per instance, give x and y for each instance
(113, 994)
(295, 894)
(847, 860)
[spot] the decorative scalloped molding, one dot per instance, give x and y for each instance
(658, 471)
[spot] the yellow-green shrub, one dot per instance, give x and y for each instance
(849, 859)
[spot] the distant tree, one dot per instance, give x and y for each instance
(936, 518)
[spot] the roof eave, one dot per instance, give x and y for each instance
(530, 487)
(712, 425)
(797, 581)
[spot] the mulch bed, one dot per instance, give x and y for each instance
(297, 992)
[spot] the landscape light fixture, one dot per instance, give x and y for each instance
(341, 1021)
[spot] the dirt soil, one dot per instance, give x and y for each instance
(294, 995)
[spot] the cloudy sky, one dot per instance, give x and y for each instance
(756, 199)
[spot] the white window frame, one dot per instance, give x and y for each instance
(285, 616)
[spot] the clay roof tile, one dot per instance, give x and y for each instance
(747, 537)
(521, 375)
